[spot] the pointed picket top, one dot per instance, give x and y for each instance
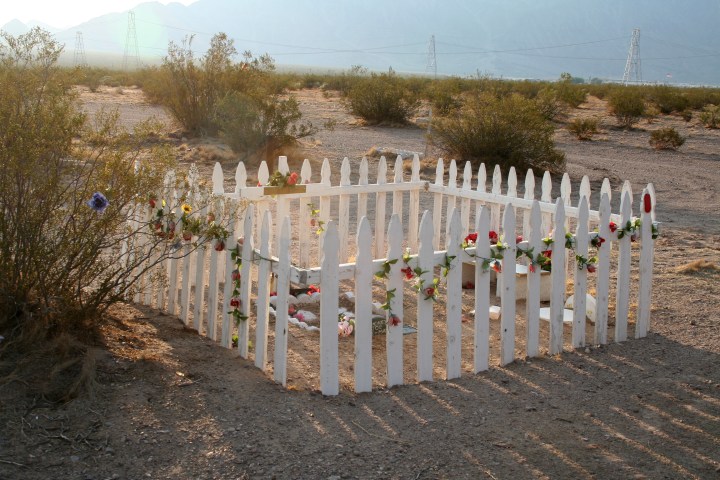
(415, 175)
(345, 172)
(482, 178)
(240, 177)
(565, 188)
(283, 165)
(452, 174)
(651, 191)
(467, 177)
(529, 185)
(627, 187)
(193, 176)
(398, 170)
(626, 204)
(546, 195)
(305, 172)
(497, 180)
(263, 173)
(585, 188)
(363, 171)
(325, 172)
(606, 189)
(218, 180)
(512, 183)
(439, 173)
(382, 171)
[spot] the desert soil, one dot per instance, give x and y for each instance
(171, 404)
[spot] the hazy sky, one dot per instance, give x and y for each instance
(63, 14)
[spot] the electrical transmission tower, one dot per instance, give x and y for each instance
(632, 66)
(79, 57)
(131, 45)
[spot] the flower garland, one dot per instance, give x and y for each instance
(279, 179)
(315, 221)
(496, 250)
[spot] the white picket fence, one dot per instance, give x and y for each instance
(426, 225)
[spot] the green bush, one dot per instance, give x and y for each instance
(548, 103)
(627, 105)
(710, 116)
(569, 92)
(584, 128)
(382, 98)
(444, 95)
(668, 99)
(508, 131)
(666, 139)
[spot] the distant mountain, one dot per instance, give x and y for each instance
(16, 27)
(518, 39)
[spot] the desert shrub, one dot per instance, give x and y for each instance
(668, 99)
(710, 116)
(60, 239)
(381, 98)
(666, 139)
(570, 93)
(584, 128)
(508, 131)
(627, 105)
(687, 115)
(548, 103)
(444, 95)
(651, 112)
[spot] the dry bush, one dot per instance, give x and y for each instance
(382, 98)
(584, 128)
(710, 116)
(666, 139)
(698, 266)
(628, 106)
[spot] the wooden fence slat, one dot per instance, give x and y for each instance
(218, 180)
(325, 204)
(495, 207)
(240, 178)
(622, 293)
(437, 204)
(414, 207)
(380, 198)
(647, 248)
(480, 187)
(263, 294)
(532, 307)
(566, 195)
(363, 307)
(281, 305)
(246, 280)
(454, 298)
(528, 195)
(362, 197)
(199, 297)
(465, 203)
(329, 370)
(602, 285)
(512, 183)
(585, 190)
(397, 197)
(481, 345)
(425, 306)
(173, 282)
(185, 292)
(546, 196)
(283, 166)
(344, 212)
(225, 317)
(507, 320)
(557, 277)
(580, 290)
(394, 334)
(451, 199)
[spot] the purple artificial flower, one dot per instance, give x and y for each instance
(98, 202)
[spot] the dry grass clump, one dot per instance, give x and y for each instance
(698, 266)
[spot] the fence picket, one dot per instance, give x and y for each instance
(226, 331)
(529, 195)
(305, 229)
(647, 247)
(363, 307)
(263, 294)
(482, 293)
(246, 280)
(532, 310)
(546, 196)
(185, 292)
(414, 206)
(512, 183)
(283, 165)
(465, 202)
(580, 290)
(199, 300)
(394, 334)
(603, 271)
(622, 293)
(362, 197)
(397, 195)
(451, 200)
(325, 204)
(240, 178)
(329, 373)
(281, 305)
(438, 203)
(453, 310)
(344, 212)
(380, 199)
(585, 190)
(507, 300)
(557, 300)
(480, 187)
(495, 207)
(425, 306)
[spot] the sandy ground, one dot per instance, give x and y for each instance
(171, 404)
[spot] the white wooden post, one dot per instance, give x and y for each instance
(454, 298)
(325, 204)
(263, 295)
(546, 197)
(185, 292)
(603, 271)
(557, 277)
(646, 263)
(227, 328)
(394, 335)
(344, 212)
(283, 165)
(565, 194)
(580, 290)
(495, 207)
(437, 203)
(329, 283)
(622, 294)
(482, 293)
(246, 280)
(532, 314)
(414, 205)
(363, 307)
(305, 230)
(362, 197)
(281, 305)
(397, 195)
(380, 210)
(465, 202)
(426, 263)
(451, 199)
(212, 314)
(199, 299)
(480, 187)
(507, 320)
(528, 195)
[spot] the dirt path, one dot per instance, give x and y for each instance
(171, 404)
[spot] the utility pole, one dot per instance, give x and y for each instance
(431, 67)
(79, 57)
(632, 66)
(131, 45)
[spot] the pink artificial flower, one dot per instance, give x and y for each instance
(518, 239)
(219, 245)
(299, 317)
(345, 328)
(292, 179)
(394, 320)
(235, 275)
(187, 236)
(291, 310)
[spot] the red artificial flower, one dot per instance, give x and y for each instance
(408, 272)
(613, 226)
(312, 222)
(300, 317)
(394, 320)
(152, 203)
(633, 237)
(219, 246)
(273, 294)
(235, 302)
(493, 236)
(468, 285)
(496, 266)
(591, 268)
(531, 267)
(292, 179)
(430, 291)
(235, 275)
(291, 310)
(547, 253)
(647, 202)
(518, 239)
(313, 289)
(471, 238)
(187, 236)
